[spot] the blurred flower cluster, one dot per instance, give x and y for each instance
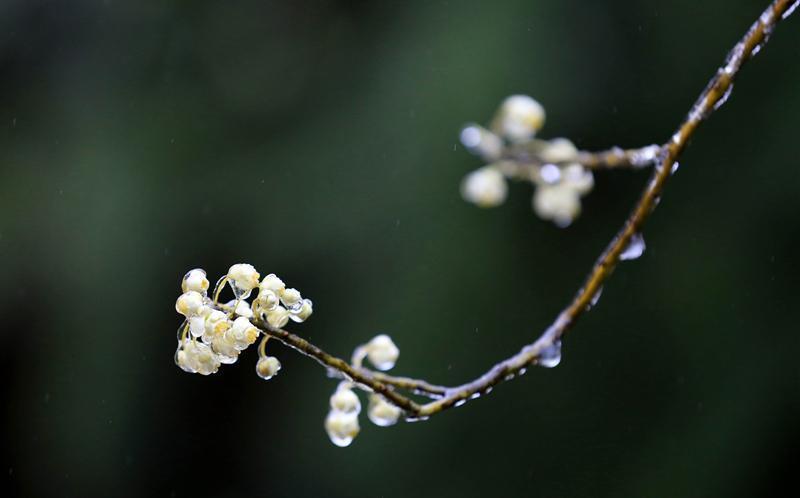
(511, 150)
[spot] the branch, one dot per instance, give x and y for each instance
(521, 159)
(548, 344)
(544, 351)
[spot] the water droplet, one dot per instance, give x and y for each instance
(645, 156)
(595, 298)
(674, 168)
(634, 249)
(550, 356)
(416, 419)
(724, 97)
(550, 173)
(786, 13)
(459, 403)
(475, 395)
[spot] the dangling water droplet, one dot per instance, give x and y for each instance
(634, 249)
(674, 168)
(724, 97)
(239, 292)
(416, 419)
(550, 356)
(475, 395)
(459, 403)
(595, 298)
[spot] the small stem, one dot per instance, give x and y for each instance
(521, 161)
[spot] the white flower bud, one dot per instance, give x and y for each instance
(381, 412)
(482, 142)
(244, 278)
(196, 357)
(273, 283)
(242, 333)
(303, 312)
(197, 326)
(267, 299)
(558, 203)
(225, 347)
(268, 367)
(242, 308)
(558, 150)
(579, 178)
(216, 323)
(278, 318)
(345, 400)
(519, 118)
(195, 280)
(382, 352)
(342, 427)
(485, 187)
(291, 298)
(189, 304)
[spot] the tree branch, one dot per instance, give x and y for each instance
(548, 344)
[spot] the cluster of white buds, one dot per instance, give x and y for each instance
(341, 424)
(511, 150)
(215, 334)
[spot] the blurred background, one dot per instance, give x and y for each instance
(318, 140)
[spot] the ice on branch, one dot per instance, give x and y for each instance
(513, 152)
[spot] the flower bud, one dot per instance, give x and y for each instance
(242, 333)
(482, 142)
(381, 412)
(216, 323)
(244, 278)
(189, 304)
(225, 347)
(558, 203)
(195, 280)
(579, 178)
(278, 318)
(273, 283)
(242, 308)
(267, 299)
(519, 118)
(484, 187)
(558, 150)
(268, 367)
(291, 298)
(382, 352)
(303, 311)
(342, 427)
(345, 400)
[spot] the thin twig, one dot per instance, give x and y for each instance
(709, 100)
(520, 159)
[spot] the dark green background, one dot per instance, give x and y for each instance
(318, 140)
